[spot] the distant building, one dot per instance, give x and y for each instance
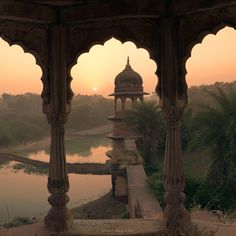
(127, 93)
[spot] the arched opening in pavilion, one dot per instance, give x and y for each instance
(129, 104)
(207, 122)
(22, 124)
(118, 105)
(98, 69)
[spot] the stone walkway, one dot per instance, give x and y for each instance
(142, 203)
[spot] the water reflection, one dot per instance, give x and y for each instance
(96, 155)
(79, 150)
(26, 195)
(29, 169)
(24, 188)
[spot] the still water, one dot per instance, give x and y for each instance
(83, 149)
(24, 194)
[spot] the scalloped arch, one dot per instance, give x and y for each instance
(102, 42)
(202, 34)
(38, 61)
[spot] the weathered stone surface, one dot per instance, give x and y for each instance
(142, 203)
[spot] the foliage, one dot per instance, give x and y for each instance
(221, 197)
(199, 192)
(146, 119)
(22, 120)
(29, 169)
(89, 111)
(155, 184)
(18, 221)
(215, 127)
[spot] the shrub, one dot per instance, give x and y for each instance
(199, 192)
(17, 221)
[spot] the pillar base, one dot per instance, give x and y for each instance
(58, 219)
(177, 220)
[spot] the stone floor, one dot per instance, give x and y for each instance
(119, 227)
(141, 199)
(90, 228)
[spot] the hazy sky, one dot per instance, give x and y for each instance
(212, 60)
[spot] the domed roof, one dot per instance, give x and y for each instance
(128, 80)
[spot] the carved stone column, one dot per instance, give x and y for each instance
(123, 104)
(59, 217)
(173, 93)
(57, 110)
(175, 215)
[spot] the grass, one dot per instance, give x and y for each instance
(18, 221)
(29, 169)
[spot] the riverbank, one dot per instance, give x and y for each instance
(17, 153)
(105, 207)
(75, 168)
(45, 142)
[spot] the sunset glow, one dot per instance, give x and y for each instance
(103, 62)
(18, 70)
(212, 60)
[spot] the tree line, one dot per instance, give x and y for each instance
(22, 120)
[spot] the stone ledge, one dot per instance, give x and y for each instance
(91, 228)
(115, 227)
(134, 227)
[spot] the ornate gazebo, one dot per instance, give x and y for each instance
(128, 87)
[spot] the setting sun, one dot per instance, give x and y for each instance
(103, 62)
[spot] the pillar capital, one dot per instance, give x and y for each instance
(172, 111)
(57, 118)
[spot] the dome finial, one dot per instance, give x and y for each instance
(128, 67)
(128, 60)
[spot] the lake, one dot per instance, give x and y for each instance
(24, 194)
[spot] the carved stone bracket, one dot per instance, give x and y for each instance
(195, 27)
(143, 32)
(33, 38)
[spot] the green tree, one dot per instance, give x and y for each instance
(215, 127)
(146, 119)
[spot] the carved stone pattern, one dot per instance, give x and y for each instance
(172, 113)
(33, 38)
(143, 32)
(56, 118)
(196, 27)
(58, 184)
